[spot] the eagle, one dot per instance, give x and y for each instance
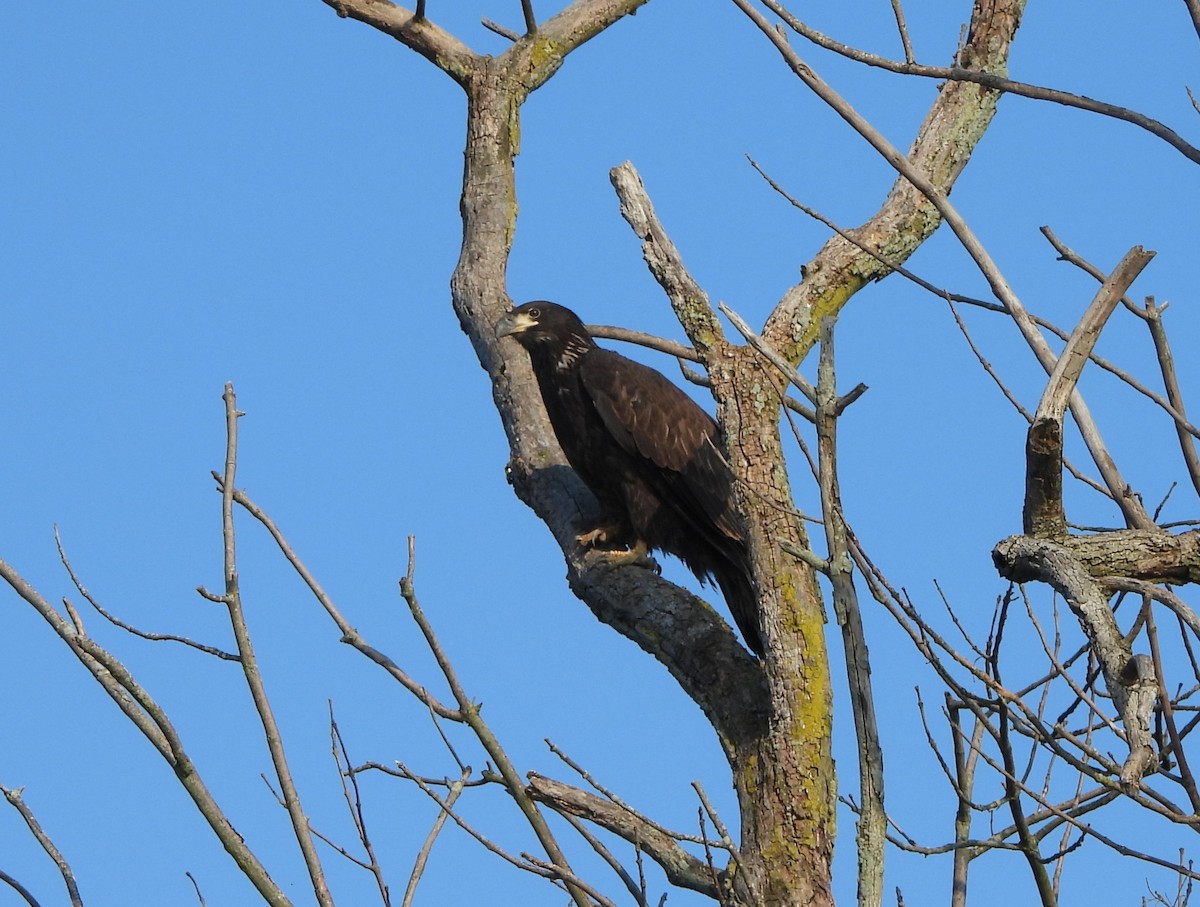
(648, 452)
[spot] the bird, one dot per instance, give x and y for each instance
(647, 451)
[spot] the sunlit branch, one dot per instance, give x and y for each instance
(350, 635)
(681, 868)
(991, 81)
(1166, 364)
(872, 825)
(153, 722)
(471, 716)
(128, 628)
(937, 195)
(456, 789)
(249, 662)
(413, 30)
(13, 796)
(1044, 513)
(690, 302)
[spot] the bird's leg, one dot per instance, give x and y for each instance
(600, 536)
(638, 553)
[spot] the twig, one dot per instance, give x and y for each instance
(900, 24)
(872, 824)
(472, 717)
(937, 195)
(993, 82)
(350, 635)
(13, 796)
(637, 888)
(456, 789)
(1164, 700)
(499, 29)
(196, 887)
(1166, 364)
(149, 718)
(353, 797)
(254, 682)
(1012, 784)
(734, 854)
(19, 889)
(117, 622)
(587, 776)
(794, 377)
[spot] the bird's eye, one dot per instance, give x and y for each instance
(535, 313)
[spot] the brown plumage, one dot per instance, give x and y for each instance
(647, 451)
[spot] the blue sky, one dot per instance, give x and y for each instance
(267, 194)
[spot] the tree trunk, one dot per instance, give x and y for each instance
(785, 776)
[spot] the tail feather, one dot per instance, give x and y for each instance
(742, 599)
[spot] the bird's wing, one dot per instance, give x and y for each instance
(647, 414)
(652, 418)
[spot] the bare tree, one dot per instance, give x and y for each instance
(1097, 725)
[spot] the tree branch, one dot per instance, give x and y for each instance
(681, 868)
(990, 80)
(872, 823)
(474, 719)
(1024, 559)
(414, 31)
(13, 796)
(690, 302)
(1043, 513)
(249, 663)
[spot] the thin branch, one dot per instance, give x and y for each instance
(472, 716)
(456, 789)
(13, 796)
(500, 30)
(1193, 7)
(249, 662)
(872, 824)
(350, 635)
(413, 30)
(951, 298)
(650, 341)
(794, 377)
(636, 888)
(353, 797)
(937, 195)
(19, 889)
(1166, 364)
(1164, 698)
(903, 27)
(128, 628)
(116, 680)
(681, 868)
(617, 801)
(993, 82)
(715, 817)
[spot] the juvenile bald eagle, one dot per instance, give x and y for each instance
(647, 451)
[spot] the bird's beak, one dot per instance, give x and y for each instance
(513, 323)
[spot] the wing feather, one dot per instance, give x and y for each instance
(653, 419)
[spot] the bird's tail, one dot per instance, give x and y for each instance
(742, 599)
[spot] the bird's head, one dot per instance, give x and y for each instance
(541, 322)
